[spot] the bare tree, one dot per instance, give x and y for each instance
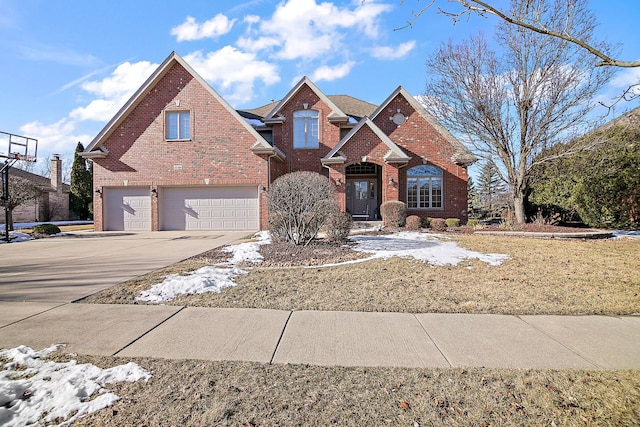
(536, 21)
(514, 105)
(21, 191)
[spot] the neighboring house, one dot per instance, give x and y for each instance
(52, 204)
(178, 156)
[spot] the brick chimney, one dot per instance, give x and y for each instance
(56, 172)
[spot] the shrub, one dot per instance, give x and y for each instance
(413, 222)
(42, 230)
(426, 222)
(473, 223)
(338, 226)
(393, 213)
(438, 225)
(299, 204)
(452, 222)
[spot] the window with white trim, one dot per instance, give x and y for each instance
(305, 129)
(178, 126)
(424, 187)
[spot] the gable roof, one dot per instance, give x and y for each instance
(336, 115)
(42, 182)
(95, 149)
(462, 156)
(394, 155)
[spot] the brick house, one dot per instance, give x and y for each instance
(178, 156)
(52, 202)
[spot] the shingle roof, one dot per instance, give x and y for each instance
(348, 104)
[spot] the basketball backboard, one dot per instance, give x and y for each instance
(18, 147)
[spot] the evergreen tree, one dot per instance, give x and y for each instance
(473, 200)
(491, 190)
(81, 186)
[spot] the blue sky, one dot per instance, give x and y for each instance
(68, 66)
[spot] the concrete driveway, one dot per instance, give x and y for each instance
(65, 269)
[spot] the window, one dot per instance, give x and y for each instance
(305, 129)
(178, 125)
(424, 187)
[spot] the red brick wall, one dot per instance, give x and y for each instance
(329, 134)
(420, 140)
(218, 150)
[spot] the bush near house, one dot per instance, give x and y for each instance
(438, 225)
(43, 230)
(338, 226)
(452, 222)
(473, 223)
(393, 213)
(299, 205)
(426, 222)
(413, 222)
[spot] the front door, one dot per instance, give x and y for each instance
(362, 199)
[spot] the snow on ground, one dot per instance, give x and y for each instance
(434, 249)
(210, 278)
(35, 392)
(15, 236)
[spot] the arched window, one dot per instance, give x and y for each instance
(424, 187)
(305, 129)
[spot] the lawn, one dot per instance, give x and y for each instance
(539, 277)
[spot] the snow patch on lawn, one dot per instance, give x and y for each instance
(31, 387)
(210, 278)
(15, 236)
(432, 248)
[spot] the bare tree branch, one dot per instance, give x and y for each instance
(483, 8)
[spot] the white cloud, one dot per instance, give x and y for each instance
(305, 29)
(60, 137)
(191, 30)
(233, 72)
(389, 53)
(332, 73)
(113, 91)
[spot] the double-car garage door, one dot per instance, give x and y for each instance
(182, 208)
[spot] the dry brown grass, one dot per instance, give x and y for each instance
(540, 277)
(198, 393)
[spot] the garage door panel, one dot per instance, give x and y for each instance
(209, 208)
(127, 209)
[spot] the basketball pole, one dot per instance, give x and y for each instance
(5, 198)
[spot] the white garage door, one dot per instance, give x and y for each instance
(209, 208)
(127, 209)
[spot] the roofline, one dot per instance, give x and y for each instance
(461, 149)
(396, 152)
(156, 76)
(337, 114)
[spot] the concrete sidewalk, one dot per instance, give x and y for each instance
(326, 338)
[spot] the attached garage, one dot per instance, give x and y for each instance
(127, 209)
(209, 208)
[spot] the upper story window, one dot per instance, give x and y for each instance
(178, 125)
(424, 187)
(305, 129)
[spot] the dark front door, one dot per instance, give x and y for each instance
(362, 198)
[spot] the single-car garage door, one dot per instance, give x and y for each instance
(127, 209)
(209, 208)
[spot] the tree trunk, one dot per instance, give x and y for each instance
(9, 225)
(518, 208)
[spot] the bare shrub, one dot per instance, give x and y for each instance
(338, 226)
(413, 222)
(299, 204)
(393, 213)
(438, 225)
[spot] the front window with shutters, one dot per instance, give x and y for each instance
(305, 129)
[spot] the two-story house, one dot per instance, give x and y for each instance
(178, 156)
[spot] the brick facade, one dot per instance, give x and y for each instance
(132, 149)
